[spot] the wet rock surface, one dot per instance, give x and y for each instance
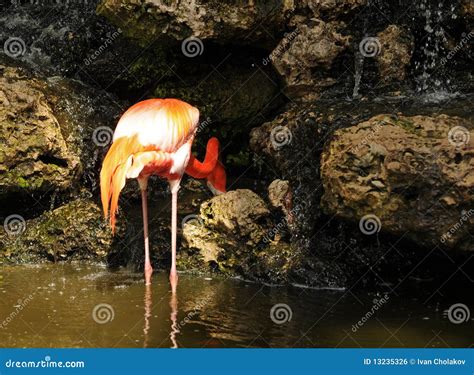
(73, 231)
(235, 234)
(54, 132)
(34, 155)
(396, 44)
(246, 23)
(295, 141)
(415, 174)
(227, 225)
(309, 46)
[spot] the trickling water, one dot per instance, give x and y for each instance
(359, 67)
(431, 75)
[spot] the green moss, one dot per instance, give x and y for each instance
(23, 183)
(409, 126)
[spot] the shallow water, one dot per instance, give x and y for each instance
(77, 305)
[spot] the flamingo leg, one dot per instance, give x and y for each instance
(143, 182)
(174, 185)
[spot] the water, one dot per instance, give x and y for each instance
(432, 76)
(359, 66)
(53, 306)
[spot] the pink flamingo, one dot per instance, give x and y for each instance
(154, 137)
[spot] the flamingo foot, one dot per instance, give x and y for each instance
(148, 273)
(173, 281)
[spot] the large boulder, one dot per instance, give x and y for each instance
(233, 234)
(413, 176)
(310, 47)
(226, 225)
(34, 155)
(53, 131)
(76, 230)
(227, 22)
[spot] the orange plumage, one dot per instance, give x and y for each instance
(154, 137)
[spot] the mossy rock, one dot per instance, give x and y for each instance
(76, 230)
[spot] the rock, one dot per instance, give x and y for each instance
(289, 143)
(467, 9)
(396, 45)
(278, 192)
(34, 155)
(241, 212)
(310, 47)
(53, 132)
(224, 22)
(233, 235)
(333, 8)
(229, 228)
(73, 41)
(415, 174)
(76, 230)
(236, 235)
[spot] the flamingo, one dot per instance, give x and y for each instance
(154, 137)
